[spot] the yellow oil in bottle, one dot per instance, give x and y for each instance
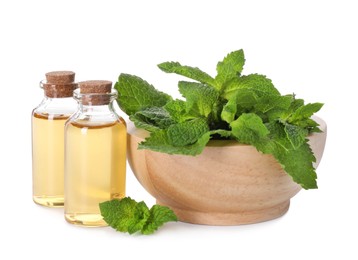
(48, 159)
(95, 164)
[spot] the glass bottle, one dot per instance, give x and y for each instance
(48, 121)
(95, 154)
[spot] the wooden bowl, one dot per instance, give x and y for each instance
(228, 184)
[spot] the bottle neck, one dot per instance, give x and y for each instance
(96, 109)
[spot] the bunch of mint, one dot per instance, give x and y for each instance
(246, 108)
(127, 215)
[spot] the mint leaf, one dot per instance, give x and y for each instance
(135, 94)
(230, 67)
(246, 98)
(254, 82)
(188, 132)
(143, 122)
(127, 215)
(228, 112)
(152, 119)
(276, 107)
(177, 110)
(159, 215)
(298, 164)
(200, 98)
(296, 135)
(247, 108)
(269, 102)
(305, 112)
(249, 128)
(189, 72)
(221, 132)
(309, 125)
(140, 218)
(158, 141)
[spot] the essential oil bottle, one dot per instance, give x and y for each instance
(95, 154)
(48, 121)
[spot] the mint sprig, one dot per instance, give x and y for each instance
(246, 108)
(127, 215)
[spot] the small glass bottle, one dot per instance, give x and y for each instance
(95, 154)
(48, 121)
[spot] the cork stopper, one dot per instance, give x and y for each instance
(97, 91)
(59, 84)
(60, 77)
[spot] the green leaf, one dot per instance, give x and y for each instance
(188, 132)
(245, 108)
(229, 110)
(135, 94)
(231, 67)
(246, 98)
(310, 125)
(222, 133)
(296, 135)
(249, 128)
(143, 122)
(305, 111)
(178, 112)
(142, 215)
(152, 119)
(159, 215)
(125, 215)
(158, 141)
(269, 102)
(187, 71)
(298, 164)
(296, 103)
(257, 83)
(200, 98)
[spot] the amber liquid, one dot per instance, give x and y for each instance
(48, 159)
(95, 169)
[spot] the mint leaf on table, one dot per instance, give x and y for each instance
(200, 98)
(136, 94)
(159, 215)
(127, 215)
(187, 71)
(230, 67)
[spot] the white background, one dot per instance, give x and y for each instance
(306, 47)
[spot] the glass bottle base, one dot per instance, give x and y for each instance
(85, 219)
(49, 201)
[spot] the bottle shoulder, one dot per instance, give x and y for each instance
(56, 107)
(95, 119)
